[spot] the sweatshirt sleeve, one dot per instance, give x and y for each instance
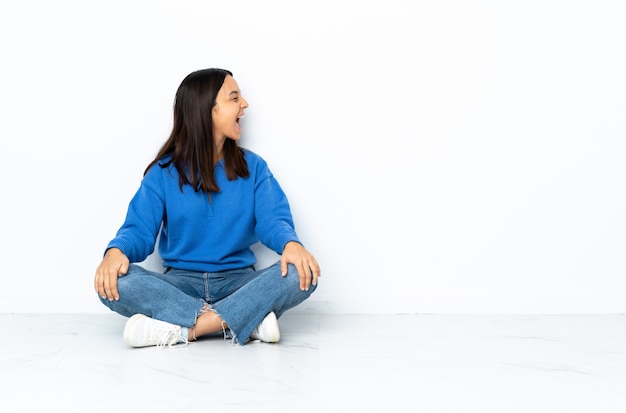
(137, 235)
(274, 222)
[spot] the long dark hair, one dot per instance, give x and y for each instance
(191, 143)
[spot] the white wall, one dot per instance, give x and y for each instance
(440, 156)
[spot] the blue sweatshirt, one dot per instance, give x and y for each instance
(206, 235)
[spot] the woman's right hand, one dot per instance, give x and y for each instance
(113, 265)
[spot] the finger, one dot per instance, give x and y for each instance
(283, 266)
(107, 289)
(305, 277)
(114, 292)
(113, 286)
(96, 284)
(110, 286)
(315, 271)
(99, 284)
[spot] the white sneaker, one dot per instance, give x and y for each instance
(268, 330)
(143, 331)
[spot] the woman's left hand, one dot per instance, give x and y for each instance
(305, 263)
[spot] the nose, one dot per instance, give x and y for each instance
(244, 103)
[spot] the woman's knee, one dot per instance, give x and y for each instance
(294, 279)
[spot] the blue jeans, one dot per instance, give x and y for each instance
(242, 297)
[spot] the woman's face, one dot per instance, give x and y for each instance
(228, 109)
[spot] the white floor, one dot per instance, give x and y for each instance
(324, 363)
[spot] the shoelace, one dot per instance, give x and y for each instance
(167, 339)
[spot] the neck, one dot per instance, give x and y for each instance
(218, 152)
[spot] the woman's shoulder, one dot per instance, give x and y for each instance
(256, 163)
(253, 158)
(160, 167)
(251, 155)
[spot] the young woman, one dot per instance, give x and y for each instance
(208, 200)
